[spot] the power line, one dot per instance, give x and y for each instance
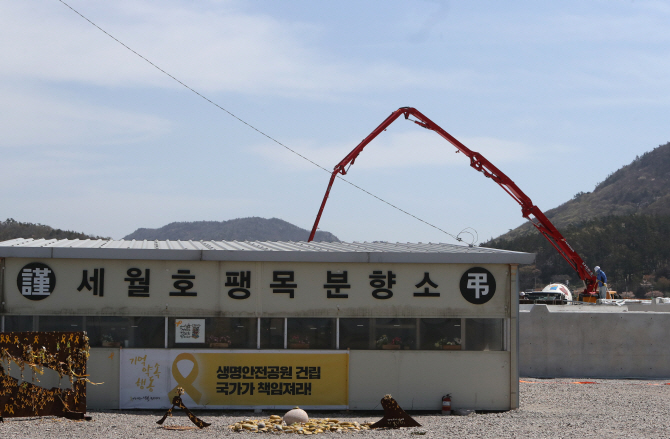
(253, 127)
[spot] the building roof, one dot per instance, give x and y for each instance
(377, 252)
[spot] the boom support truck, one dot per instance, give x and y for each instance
(481, 164)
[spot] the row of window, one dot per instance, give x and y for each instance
(277, 333)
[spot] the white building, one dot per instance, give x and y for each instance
(275, 324)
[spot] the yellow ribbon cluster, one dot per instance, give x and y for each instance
(31, 396)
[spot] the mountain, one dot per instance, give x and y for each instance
(240, 229)
(632, 249)
(12, 229)
(641, 187)
(622, 226)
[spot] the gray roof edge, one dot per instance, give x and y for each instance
(26, 252)
(269, 256)
(453, 258)
(127, 253)
(283, 256)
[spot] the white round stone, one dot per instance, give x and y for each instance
(296, 415)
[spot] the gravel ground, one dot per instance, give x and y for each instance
(549, 409)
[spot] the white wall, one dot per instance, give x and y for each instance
(103, 367)
(418, 380)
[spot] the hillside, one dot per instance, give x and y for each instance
(12, 229)
(623, 226)
(642, 187)
(240, 229)
(632, 249)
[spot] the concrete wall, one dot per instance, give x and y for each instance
(103, 367)
(594, 342)
(418, 380)
(475, 380)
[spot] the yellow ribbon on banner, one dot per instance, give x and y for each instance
(186, 382)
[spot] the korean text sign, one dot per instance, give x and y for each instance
(218, 379)
(214, 379)
(202, 288)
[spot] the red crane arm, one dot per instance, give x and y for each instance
(481, 164)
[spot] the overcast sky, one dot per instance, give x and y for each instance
(556, 94)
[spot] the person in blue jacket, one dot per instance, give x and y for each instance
(602, 282)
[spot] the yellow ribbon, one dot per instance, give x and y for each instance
(9, 409)
(37, 339)
(16, 339)
(186, 382)
(62, 340)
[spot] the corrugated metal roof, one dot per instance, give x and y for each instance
(259, 251)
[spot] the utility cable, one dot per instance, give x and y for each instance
(456, 237)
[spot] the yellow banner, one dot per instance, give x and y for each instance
(227, 379)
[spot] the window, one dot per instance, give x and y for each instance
(102, 331)
(109, 331)
(125, 332)
(424, 334)
(484, 334)
(355, 334)
(18, 323)
(311, 333)
(442, 334)
(394, 334)
(470, 334)
(60, 323)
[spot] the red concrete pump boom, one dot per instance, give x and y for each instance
(481, 164)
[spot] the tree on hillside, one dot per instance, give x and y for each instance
(12, 229)
(631, 249)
